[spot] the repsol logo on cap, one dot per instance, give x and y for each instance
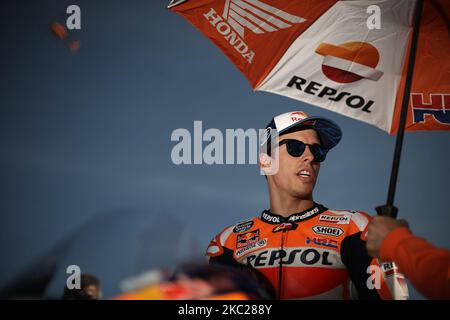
(329, 231)
(294, 257)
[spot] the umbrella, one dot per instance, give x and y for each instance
(382, 62)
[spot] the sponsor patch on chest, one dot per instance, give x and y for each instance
(243, 226)
(336, 219)
(246, 239)
(320, 241)
(294, 257)
(327, 230)
(250, 248)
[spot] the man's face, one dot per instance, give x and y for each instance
(288, 179)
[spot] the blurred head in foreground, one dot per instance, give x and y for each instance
(207, 282)
(90, 289)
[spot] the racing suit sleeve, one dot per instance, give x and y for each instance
(427, 267)
(355, 257)
(226, 258)
(218, 253)
(372, 279)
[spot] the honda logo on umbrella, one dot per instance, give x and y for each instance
(257, 16)
(254, 15)
(438, 108)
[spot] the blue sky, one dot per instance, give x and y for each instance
(87, 133)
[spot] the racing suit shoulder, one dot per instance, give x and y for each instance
(220, 249)
(358, 220)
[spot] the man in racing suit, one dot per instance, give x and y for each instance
(306, 250)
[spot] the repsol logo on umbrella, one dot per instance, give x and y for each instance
(294, 257)
(319, 90)
(344, 63)
(350, 61)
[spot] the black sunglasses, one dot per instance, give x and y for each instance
(295, 148)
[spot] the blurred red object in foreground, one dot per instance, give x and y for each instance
(58, 30)
(61, 32)
(207, 282)
(73, 45)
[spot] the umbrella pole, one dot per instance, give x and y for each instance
(389, 209)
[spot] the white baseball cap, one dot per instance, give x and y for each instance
(329, 132)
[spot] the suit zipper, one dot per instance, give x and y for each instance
(280, 269)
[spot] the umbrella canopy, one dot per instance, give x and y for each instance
(382, 62)
(324, 52)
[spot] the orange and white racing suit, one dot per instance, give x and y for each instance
(314, 254)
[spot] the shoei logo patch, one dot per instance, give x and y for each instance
(329, 231)
(254, 15)
(350, 61)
